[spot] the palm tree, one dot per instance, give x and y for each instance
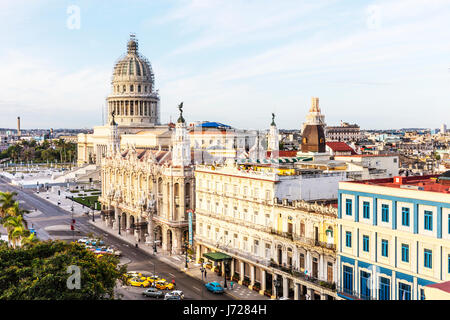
(6, 202)
(15, 228)
(15, 210)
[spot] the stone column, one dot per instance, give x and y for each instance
(241, 272)
(323, 296)
(263, 281)
(310, 294)
(150, 226)
(115, 224)
(285, 287)
(233, 261)
(308, 264)
(321, 267)
(127, 223)
(198, 254)
(296, 291)
(164, 239)
(252, 276)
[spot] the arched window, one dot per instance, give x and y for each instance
(139, 88)
(131, 88)
(124, 88)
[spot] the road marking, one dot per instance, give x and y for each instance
(172, 275)
(196, 288)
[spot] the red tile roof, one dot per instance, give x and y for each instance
(340, 147)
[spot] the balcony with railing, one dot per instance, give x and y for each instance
(238, 253)
(353, 295)
(290, 270)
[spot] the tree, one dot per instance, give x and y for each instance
(39, 271)
(15, 228)
(6, 201)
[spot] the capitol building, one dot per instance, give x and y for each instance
(146, 168)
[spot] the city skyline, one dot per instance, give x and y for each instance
(225, 59)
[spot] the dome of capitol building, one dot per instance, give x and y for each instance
(133, 99)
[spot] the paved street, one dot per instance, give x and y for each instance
(53, 222)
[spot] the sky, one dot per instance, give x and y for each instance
(381, 64)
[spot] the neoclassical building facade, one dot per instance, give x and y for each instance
(148, 192)
(269, 239)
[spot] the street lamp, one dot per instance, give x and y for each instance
(119, 221)
(154, 241)
(186, 253)
(226, 270)
(93, 215)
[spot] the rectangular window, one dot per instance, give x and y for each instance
(404, 291)
(384, 248)
(366, 243)
(405, 253)
(428, 220)
(405, 217)
(448, 224)
(449, 263)
(365, 285)
(385, 213)
(348, 239)
(348, 207)
(427, 257)
(366, 210)
(348, 279)
(422, 294)
(385, 289)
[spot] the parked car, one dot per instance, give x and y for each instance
(153, 293)
(164, 285)
(214, 287)
(175, 292)
(83, 240)
(133, 274)
(113, 251)
(136, 282)
(154, 278)
(172, 297)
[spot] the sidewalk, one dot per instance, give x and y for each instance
(238, 292)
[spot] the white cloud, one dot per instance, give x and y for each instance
(33, 88)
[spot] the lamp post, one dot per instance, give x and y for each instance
(186, 255)
(225, 269)
(119, 222)
(154, 241)
(93, 213)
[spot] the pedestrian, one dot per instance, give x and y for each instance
(231, 285)
(205, 274)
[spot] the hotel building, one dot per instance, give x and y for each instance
(394, 237)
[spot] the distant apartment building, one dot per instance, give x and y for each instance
(394, 237)
(345, 132)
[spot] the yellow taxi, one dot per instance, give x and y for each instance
(152, 279)
(164, 285)
(136, 282)
(133, 274)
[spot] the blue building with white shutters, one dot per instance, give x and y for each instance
(394, 237)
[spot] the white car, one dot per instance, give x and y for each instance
(113, 251)
(175, 293)
(83, 240)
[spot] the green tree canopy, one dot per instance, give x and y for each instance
(38, 271)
